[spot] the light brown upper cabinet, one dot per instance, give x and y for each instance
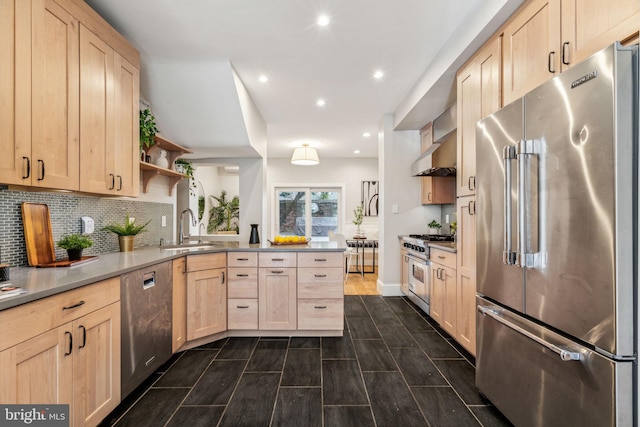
(436, 190)
(40, 102)
(546, 37)
(109, 129)
(478, 85)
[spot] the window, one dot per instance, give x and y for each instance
(308, 211)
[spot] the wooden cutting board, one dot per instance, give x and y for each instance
(38, 235)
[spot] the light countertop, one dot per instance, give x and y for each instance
(44, 282)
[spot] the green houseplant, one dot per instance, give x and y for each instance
(74, 244)
(225, 216)
(185, 167)
(126, 232)
(148, 129)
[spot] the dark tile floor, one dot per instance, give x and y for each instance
(392, 367)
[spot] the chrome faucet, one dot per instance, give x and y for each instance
(200, 232)
(193, 221)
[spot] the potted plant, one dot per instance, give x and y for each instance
(224, 217)
(74, 244)
(357, 220)
(148, 129)
(126, 232)
(185, 167)
(434, 227)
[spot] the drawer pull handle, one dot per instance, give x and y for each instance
(243, 259)
(277, 259)
(320, 306)
(320, 259)
(242, 275)
(440, 257)
(66, 353)
(320, 275)
(74, 305)
(277, 271)
(242, 306)
(84, 337)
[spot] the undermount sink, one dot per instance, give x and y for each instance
(193, 245)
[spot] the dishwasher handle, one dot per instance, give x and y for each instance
(148, 280)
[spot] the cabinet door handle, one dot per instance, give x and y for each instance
(565, 53)
(223, 277)
(242, 306)
(472, 182)
(119, 182)
(84, 336)
(277, 259)
(551, 62)
(73, 306)
(113, 182)
(429, 196)
(472, 208)
(41, 163)
(70, 343)
(320, 259)
(28, 167)
(277, 271)
(242, 275)
(243, 259)
(320, 275)
(320, 307)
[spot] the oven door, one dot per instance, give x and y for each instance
(419, 277)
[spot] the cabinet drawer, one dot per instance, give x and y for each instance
(448, 259)
(28, 320)
(320, 314)
(277, 259)
(206, 261)
(243, 313)
(320, 283)
(320, 259)
(242, 259)
(243, 283)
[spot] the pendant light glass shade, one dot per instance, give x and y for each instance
(305, 156)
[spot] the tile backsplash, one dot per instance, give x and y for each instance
(66, 210)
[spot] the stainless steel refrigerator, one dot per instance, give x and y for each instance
(557, 208)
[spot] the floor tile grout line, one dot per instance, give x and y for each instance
(192, 386)
(284, 362)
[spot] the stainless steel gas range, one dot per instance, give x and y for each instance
(416, 283)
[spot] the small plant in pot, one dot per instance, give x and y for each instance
(434, 227)
(185, 167)
(74, 244)
(126, 232)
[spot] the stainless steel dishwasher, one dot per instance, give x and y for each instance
(145, 296)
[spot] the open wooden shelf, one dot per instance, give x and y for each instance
(150, 171)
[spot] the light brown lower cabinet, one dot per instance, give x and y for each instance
(76, 362)
(443, 307)
(277, 308)
(179, 303)
(206, 295)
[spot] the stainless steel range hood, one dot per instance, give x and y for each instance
(429, 163)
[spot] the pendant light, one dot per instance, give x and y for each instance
(305, 156)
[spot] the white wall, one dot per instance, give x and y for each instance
(396, 152)
(335, 171)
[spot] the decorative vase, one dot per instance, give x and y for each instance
(74, 254)
(359, 234)
(162, 160)
(126, 243)
(434, 231)
(254, 238)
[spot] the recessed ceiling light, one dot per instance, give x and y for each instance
(263, 78)
(356, 152)
(378, 75)
(323, 20)
(366, 135)
(320, 102)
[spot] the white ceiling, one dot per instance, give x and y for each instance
(190, 48)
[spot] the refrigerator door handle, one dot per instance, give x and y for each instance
(565, 355)
(527, 202)
(508, 254)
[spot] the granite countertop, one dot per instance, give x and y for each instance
(44, 282)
